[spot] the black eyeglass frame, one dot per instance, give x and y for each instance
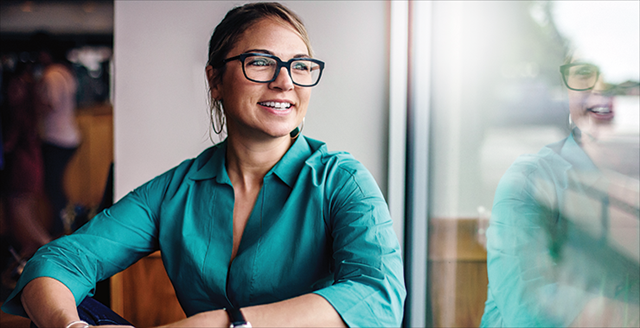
(280, 64)
(566, 67)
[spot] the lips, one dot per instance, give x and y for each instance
(601, 112)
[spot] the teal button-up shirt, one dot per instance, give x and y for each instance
(319, 225)
(549, 246)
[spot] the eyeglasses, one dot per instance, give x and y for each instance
(264, 68)
(580, 76)
(583, 77)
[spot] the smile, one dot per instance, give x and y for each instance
(276, 105)
(600, 110)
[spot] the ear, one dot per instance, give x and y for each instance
(214, 82)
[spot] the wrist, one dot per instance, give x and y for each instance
(237, 319)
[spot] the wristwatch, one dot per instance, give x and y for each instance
(237, 319)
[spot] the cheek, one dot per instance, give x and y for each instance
(304, 95)
(238, 91)
(577, 101)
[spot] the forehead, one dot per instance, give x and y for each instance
(615, 69)
(580, 56)
(275, 35)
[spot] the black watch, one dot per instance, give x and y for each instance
(237, 319)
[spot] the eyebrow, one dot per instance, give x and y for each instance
(265, 51)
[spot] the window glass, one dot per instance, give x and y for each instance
(534, 170)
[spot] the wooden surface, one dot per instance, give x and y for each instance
(12, 321)
(143, 294)
(87, 171)
(457, 273)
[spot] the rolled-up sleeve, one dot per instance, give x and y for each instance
(109, 243)
(369, 286)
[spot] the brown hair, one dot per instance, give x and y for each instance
(229, 32)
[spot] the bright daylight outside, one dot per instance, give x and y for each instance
(534, 169)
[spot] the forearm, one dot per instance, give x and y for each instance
(308, 310)
(49, 303)
(604, 312)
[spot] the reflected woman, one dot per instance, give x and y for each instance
(267, 227)
(562, 245)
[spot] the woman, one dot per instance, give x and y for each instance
(267, 224)
(561, 246)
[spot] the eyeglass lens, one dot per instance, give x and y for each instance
(583, 76)
(263, 69)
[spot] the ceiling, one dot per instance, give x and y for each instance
(56, 17)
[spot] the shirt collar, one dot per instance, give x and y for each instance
(289, 166)
(211, 163)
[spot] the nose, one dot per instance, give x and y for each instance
(600, 85)
(602, 90)
(283, 80)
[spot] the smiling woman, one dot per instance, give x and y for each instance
(246, 101)
(266, 227)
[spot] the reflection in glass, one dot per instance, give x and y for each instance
(580, 76)
(563, 245)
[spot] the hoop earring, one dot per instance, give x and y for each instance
(571, 125)
(213, 125)
(217, 116)
(296, 132)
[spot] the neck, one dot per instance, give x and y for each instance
(249, 161)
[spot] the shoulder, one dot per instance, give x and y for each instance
(340, 171)
(544, 163)
(57, 72)
(533, 175)
(189, 168)
(59, 77)
(178, 176)
(335, 162)
(321, 157)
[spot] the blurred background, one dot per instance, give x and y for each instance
(437, 99)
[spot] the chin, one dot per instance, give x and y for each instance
(599, 129)
(279, 133)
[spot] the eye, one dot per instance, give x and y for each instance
(301, 66)
(585, 71)
(259, 61)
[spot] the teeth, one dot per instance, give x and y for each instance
(601, 110)
(276, 105)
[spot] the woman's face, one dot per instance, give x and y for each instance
(592, 110)
(255, 109)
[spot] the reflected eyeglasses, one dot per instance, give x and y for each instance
(264, 68)
(580, 76)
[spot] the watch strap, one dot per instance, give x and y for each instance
(237, 318)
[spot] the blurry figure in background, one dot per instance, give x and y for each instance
(22, 177)
(563, 241)
(59, 131)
